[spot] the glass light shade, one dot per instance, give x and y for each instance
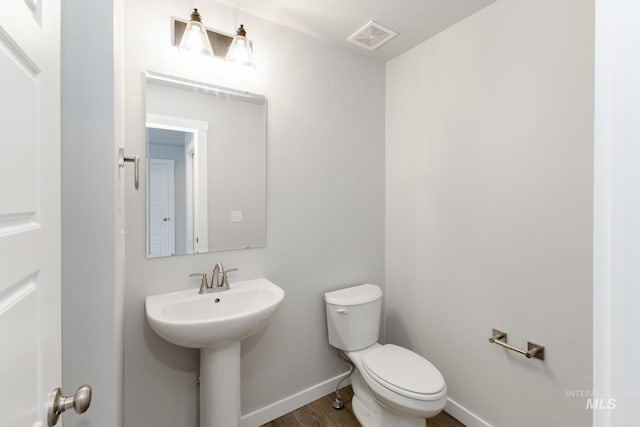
(195, 38)
(241, 51)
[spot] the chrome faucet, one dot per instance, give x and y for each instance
(215, 276)
(219, 281)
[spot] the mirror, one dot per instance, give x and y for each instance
(206, 167)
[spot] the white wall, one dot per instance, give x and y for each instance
(617, 213)
(236, 179)
(489, 154)
(92, 270)
(325, 207)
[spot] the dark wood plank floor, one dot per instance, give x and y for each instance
(321, 414)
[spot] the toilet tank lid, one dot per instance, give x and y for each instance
(354, 295)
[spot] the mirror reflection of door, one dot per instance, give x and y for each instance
(168, 176)
(176, 150)
(161, 207)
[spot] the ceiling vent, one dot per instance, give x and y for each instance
(372, 36)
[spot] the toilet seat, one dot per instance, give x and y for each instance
(404, 372)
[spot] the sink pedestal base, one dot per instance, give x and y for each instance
(220, 386)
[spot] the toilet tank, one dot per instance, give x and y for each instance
(353, 316)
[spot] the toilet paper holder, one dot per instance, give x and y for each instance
(533, 350)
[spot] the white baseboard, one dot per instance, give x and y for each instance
(464, 415)
(315, 392)
(291, 403)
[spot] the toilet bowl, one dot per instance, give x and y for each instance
(392, 386)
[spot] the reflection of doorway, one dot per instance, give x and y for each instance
(161, 207)
(185, 142)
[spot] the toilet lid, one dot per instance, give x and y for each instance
(403, 371)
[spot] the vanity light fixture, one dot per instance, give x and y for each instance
(195, 38)
(192, 36)
(241, 50)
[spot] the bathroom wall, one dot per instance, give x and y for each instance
(489, 182)
(325, 207)
(92, 267)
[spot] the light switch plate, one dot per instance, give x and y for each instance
(236, 216)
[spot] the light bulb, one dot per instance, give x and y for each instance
(241, 51)
(195, 38)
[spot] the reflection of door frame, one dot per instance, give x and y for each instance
(197, 211)
(189, 156)
(169, 227)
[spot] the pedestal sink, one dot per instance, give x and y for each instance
(216, 323)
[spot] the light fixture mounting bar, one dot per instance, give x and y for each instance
(219, 42)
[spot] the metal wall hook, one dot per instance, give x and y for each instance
(122, 158)
(533, 350)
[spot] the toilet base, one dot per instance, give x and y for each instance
(393, 419)
(368, 418)
(365, 417)
(370, 413)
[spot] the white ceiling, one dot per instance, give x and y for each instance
(335, 20)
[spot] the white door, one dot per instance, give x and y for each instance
(161, 207)
(30, 355)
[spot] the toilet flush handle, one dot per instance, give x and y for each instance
(342, 310)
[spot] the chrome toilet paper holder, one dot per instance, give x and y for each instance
(533, 350)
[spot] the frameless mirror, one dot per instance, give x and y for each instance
(206, 164)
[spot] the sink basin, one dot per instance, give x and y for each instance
(216, 323)
(194, 320)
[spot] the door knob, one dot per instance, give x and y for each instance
(80, 402)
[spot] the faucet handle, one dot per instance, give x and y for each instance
(225, 282)
(203, 282)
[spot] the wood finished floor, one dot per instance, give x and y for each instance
(321, 414)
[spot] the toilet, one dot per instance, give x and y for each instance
(392, 386)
